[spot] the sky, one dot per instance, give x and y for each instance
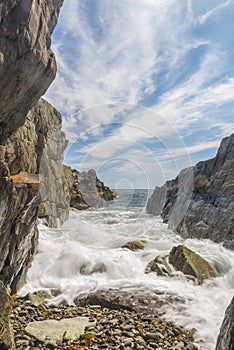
(145, 87)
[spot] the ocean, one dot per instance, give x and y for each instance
(91, 241)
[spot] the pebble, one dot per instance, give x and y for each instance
(115, 329)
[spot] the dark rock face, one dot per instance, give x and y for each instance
(27, 65)
(226, 336)
(35, 148)
(190, 263)
(210, 212)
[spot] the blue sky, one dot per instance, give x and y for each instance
(145, 87)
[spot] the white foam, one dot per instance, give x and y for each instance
(90, 241)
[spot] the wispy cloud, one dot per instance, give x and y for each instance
(115, 58)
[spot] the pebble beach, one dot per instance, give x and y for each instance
(111, 329)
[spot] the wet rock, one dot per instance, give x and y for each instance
(93, 268)
(160, 265)
(190, 263)
(135, 245)
(225, 339)
(209, 189)
(139, 301)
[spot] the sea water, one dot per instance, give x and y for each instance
(85, 255)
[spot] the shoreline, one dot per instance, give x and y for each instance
(115, 328)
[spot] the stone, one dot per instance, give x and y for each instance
(190, 263)
(225, 339)
(53, 331)
(135, 245)
(204, 194)
(38, 298)
(6, 334)
(160, 265)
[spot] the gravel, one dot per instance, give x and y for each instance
(115, 329)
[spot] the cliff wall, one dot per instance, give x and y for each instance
(210, 212)
(27, 68)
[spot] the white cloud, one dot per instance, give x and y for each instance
(114, 55)
(214, 11)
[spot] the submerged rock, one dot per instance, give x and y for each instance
(190, 263)
(207, 197)
(225, 339)
(135, 245)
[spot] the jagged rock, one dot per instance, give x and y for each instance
(135, 245)
(190, 263)
(27, 65)
(210, 201)
(104, 191)
(225, 339)
(160, 265)
(6, 334)
(88, 191)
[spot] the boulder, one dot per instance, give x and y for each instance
(53, 332)
(225, 339)
(190, 263)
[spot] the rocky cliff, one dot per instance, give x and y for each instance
(88, 191)
(27, 64)
(27, 67)
(210, 207)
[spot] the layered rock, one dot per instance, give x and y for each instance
(27, 64)
(208, 211)
(27, 67)
(225, 339)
